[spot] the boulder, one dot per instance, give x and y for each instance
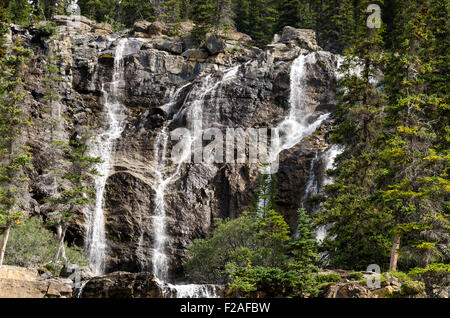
(171, 46)
(74, 272)
(347, 290)
(147, 29)
(281, 52)
(180, 29)
(215, 44)
(198, 55)
(77, 23)
(156, 28)
(19, 282)
(304, 38)
(123, 285)
(102, 29)
(141, 26)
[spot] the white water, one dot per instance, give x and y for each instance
(329, 157)
(190, 291)
(298, 124)
(312, 186)
(104, 147)
(193, 109)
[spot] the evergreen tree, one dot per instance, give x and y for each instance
(203, 17)
(289, 13)
(304, 245)
(72, 192)
(14, 155)
(350, 206)
(417, 183)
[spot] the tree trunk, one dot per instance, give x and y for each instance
(4, 242)
(61, 233)
(394, 253)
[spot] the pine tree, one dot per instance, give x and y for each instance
(414, 154)
(14, 155)
(304, 250)
(351, 204)
(304, 245)
(72, 192)
(203, 17)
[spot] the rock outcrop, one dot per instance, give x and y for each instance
(156, 65)
(18, 282)
(370, 285)
(123, 285)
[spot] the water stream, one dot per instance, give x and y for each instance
(192, 108)
(103, 147)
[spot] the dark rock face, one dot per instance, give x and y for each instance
(154, 69)
(215, 44)
(123, 285)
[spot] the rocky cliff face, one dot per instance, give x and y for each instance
(17, 282)
(162, 78)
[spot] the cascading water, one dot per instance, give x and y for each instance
(298, 124)
(104, 147)
(312, 186)
(328, 157)
(193, 109)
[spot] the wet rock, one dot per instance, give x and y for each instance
(123, 285)
(258, 96)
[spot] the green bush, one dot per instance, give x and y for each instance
(355, 276)
(273, 281)
(436, 278)
(328, 278)
(47, 29)
(255, 240)
(32, 245)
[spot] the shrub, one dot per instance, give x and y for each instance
(328, 278)
(32, 245)
(436, 278)
(273, 281)
(47, 29)
(355, 276)
(249, 239)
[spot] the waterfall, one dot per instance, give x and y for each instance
(104, 147)
(329, 157)
(191, 291)
(193, 109)
(296, 125)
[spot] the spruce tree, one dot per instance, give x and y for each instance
(15, 157)
(73, 190)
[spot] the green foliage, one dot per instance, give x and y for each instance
(304, 246)
(32, 245)
(240, 242)
(327, 278)
(117, 12)
(272, 282)
(15, 157)
(436, 277)
(47, 29)
(355, 276)
(255, 253)
(20, 11)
